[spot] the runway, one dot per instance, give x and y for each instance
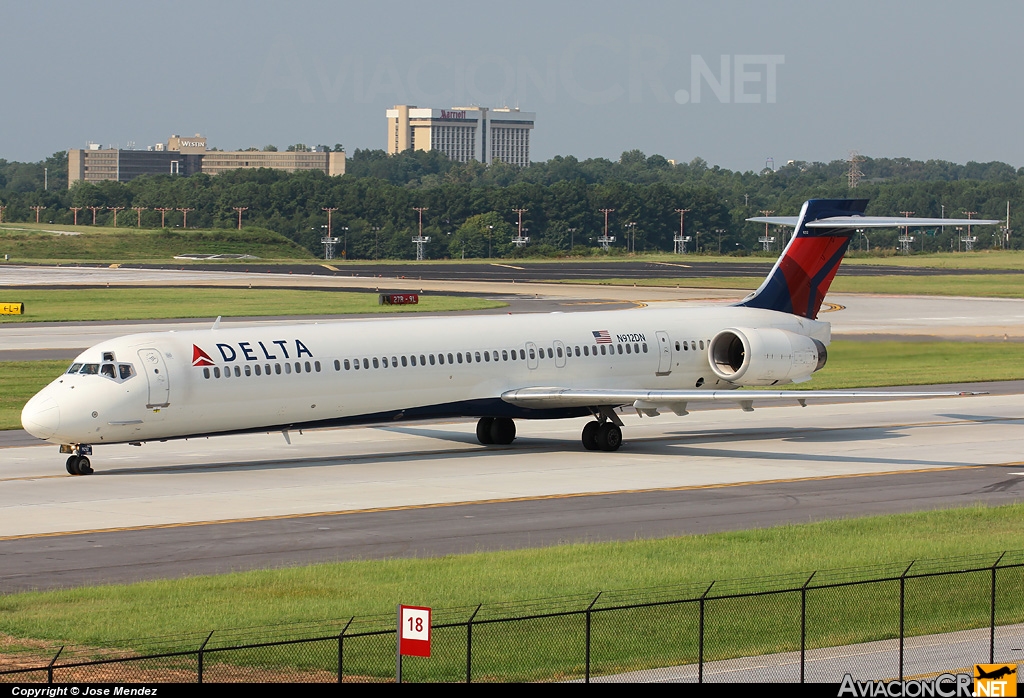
(242, 502)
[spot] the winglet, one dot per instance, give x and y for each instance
(216, 324)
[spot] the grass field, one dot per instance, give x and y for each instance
(25, 242)
(850, 365)
(975, 285)
(109, 616)
(163, 303)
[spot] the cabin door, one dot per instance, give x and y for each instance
(664, 353)
(159, 381)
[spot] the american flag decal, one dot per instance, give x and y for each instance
(602, 337)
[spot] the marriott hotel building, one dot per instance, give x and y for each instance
(463, 133)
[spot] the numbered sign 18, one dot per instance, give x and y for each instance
(414, 631)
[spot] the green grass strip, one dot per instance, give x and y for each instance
(547, 649)
(167, 303)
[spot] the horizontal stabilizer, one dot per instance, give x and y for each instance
(873, 221)
(551, 398)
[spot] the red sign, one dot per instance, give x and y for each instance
(414, 631)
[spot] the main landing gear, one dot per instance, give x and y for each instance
(598, 436)
(78, 462)
(495, 430)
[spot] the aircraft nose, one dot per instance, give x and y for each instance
(41, 417)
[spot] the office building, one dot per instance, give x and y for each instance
(463, 133)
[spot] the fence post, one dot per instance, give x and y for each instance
(803, 624)
(469, 645)
(341, 648)
(587, 680)
(700, 637)
(992, 616)
(903, 584)
(49, 668)
(200, 653)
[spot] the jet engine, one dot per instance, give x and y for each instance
(745, 356)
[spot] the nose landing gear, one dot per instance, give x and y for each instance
(78, 463)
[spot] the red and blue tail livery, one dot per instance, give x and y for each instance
(801, 277)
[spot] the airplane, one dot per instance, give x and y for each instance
(497, 369)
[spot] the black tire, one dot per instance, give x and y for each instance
(503, 431)
(609, 437)
(72, 465)
(483, 431)
(84, 466)
(590, 436)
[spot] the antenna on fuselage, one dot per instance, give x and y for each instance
(216, 324)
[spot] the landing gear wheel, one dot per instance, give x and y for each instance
(84, 466)
(483, 431)
(72, 465)
(609, 437)
(590, 436)
(503, 431)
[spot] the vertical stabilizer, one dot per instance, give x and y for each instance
(800, 278)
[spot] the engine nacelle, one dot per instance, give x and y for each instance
(769, 356)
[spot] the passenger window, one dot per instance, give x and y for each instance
(459, 357)
(431, 359)
(522, 354)
(629, 349)
(216, 372)
(644, 345)
(404, 362)
(238, 372)
(248, 370)
(559, 352)
(287, 369)
(423, 360)
(577, 351)
(376, 364)
(478, 357)
(586, 350)
(317, 366)
(487, 356)
(258, 372)
(686, 346)
(366, 363)
(451, 359)
(206, 373)
(702, 345)
(504, 355)
(440, 359)
(384, 360)
(266, 369)
(532, 355)
(337, 365)
(126, 371)
(74, 368)
(413, 359)
(603, 350)
(298, 367)
(346, 365)
(394, 362)
(620, 348)
(277, 369)
(513, 353)
(677, 345)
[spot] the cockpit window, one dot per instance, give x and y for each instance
(126, 371)
(90, 369)
(74, 368)
(107, 370)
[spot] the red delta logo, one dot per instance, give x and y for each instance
(200, 357)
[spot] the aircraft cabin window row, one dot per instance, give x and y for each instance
(692, 345)
(261, 369)
(486, 356)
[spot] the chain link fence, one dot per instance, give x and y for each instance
(884, 622)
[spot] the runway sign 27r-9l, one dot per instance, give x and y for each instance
(414, 631)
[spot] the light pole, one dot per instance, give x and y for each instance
(138, 210)
(115, 209)
(76, 209)
(905, 239)
(376, 230)
(163, 214)
(969, 242)
(239, 209)
(490, 231)
(720, 232)
(605, 240)
(419, 239)
(766, 242)
(37, 209)
(680, 242)
(572, 235)
(520, 240)
(184, 216)
(631, 228)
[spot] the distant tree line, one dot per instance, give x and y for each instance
(470, 205)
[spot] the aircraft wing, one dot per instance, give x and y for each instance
(651, 401)
(873, 221)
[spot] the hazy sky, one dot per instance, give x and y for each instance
(732, 82)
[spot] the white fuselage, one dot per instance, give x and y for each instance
(218, 381)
